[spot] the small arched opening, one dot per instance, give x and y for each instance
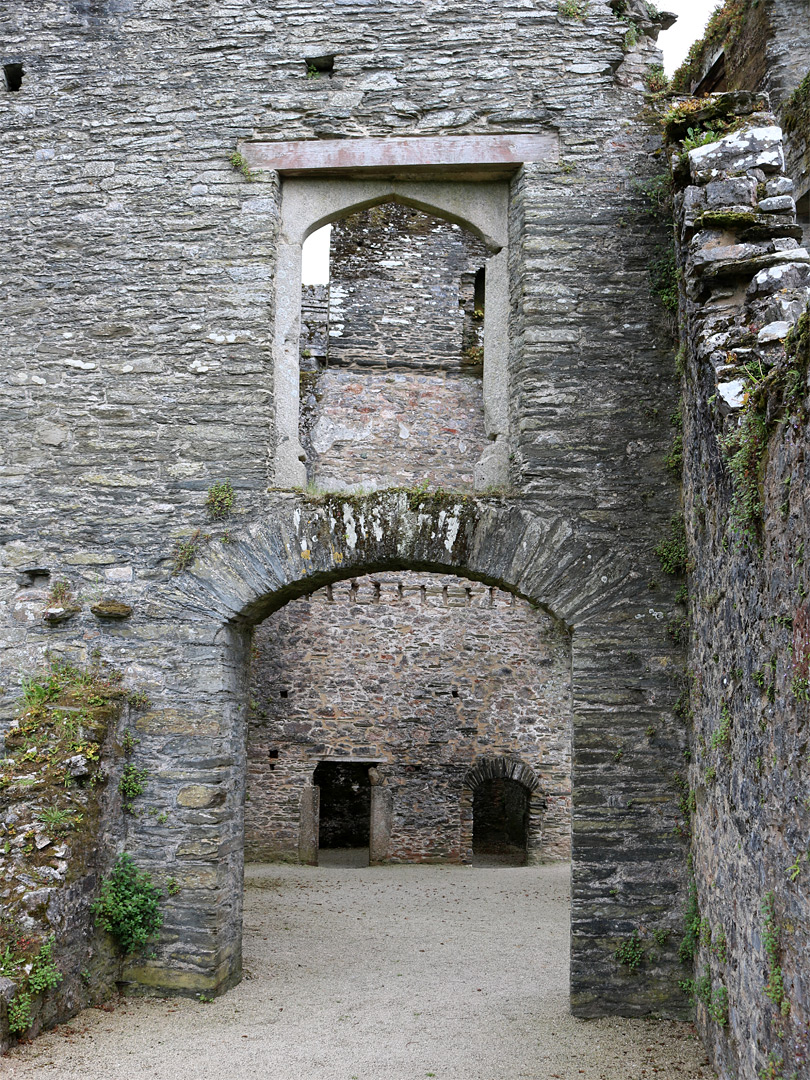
(503, 814)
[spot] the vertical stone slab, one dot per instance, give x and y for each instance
(310, 816)
(382, 817)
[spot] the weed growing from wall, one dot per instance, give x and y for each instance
(771, 934)
(691, 917)
(128, 906)
(131, 785)
(33, 972)
(241, 165)
(220, 501)
(722, 30)
(630, 953)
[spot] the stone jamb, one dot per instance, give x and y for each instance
(308, 203)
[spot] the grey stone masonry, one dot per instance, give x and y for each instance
(424, 675)
(747, 285)
(139, 321)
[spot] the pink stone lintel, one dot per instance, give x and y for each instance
(439, 152)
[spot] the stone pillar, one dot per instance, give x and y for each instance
(308, 832)
(534, 829)
(382, 816)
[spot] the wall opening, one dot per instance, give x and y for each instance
(500, 823)
(392, 352)
(13, 76)
(344, 815)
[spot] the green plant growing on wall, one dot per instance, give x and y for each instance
(128, 905)
(32, 974)
(664, 279)
(721, 736)
(630, 952)
(241, 165)
(656, 80)
(185, 551)
(691, 917)
(671, 551)
(722, 30)
(743, 453)
(220, 501)
(796, 112)
(60, 594)
(573, 9)
(771, 934)
(714, 999)
(131, 785)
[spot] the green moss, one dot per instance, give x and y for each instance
(672, 551)
(796, 113)
(727, 219)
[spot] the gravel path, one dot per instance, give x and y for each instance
(389, 973)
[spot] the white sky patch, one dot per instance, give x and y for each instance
(692, 18)
(315, 257)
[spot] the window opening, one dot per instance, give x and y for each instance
(13, 76)
(319, 65)
(392, 351)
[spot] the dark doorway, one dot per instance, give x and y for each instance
(500, 823)
(345, 813)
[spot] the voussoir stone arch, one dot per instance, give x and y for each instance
(502, 768)
(303, 543)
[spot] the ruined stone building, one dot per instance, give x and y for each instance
(493, 546)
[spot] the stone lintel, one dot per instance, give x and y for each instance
(480, 156)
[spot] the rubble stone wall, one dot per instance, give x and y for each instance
(425, 675)
(746, 452)
(137, 318)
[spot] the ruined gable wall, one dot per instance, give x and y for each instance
(424, 673)
(137, 315)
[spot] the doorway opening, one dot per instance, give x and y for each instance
(344, 819)
(500, 823)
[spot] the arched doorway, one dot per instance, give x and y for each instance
(500, 823)
(307, 542)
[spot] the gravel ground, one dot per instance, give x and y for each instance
(384, 973)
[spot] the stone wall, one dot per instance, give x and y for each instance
(423, 675)
(745, 385)
(137, 314)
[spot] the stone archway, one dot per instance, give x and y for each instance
(495, 768)
(304, 543)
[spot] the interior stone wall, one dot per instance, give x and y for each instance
(397, 400)
(423, 674)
